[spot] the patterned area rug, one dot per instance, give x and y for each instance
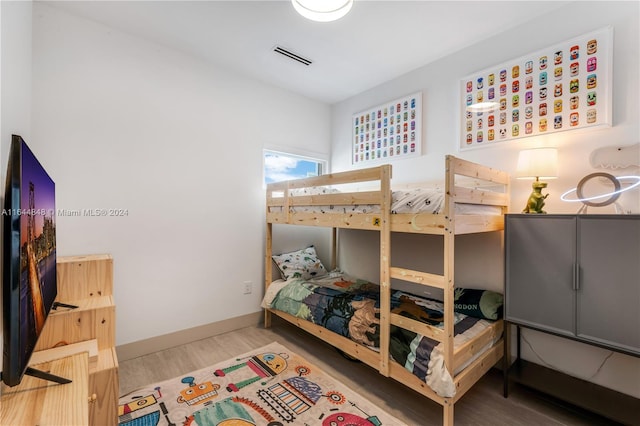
(268, 386)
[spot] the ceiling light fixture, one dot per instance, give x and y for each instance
(322, 10)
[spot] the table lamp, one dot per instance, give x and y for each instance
(537, 163)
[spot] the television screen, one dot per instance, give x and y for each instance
(29, 258)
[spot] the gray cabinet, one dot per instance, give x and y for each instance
(576, 276)
(608, 294)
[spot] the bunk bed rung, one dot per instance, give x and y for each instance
(348, 346)
(277, 186)
(275, 202)
(424, 223)
(417, 277)
(372, 222)
(477, 196)
(276, 217)
(466, 168)
(471, 224)
(468, 350)
(417, 327)
(341, 199)
(401, 374)
(354, 176)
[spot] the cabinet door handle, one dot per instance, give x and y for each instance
(576, 276)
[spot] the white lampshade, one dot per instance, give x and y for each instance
(538, 163)
(322, 10)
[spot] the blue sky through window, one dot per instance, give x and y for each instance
(279, 167)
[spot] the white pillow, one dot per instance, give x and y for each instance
(303, 264)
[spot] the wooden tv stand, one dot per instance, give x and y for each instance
(38, 402)
(86, 282)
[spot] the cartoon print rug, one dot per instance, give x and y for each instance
(269, 386)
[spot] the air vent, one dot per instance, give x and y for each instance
(289, 54)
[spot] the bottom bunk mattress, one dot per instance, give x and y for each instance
(350, 307)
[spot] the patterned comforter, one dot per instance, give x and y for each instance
(350, 307)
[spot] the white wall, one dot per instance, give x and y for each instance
(15, 82)
(15, 72)
(123, 123)
(480, 262)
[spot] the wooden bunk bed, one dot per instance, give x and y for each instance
(281, 201)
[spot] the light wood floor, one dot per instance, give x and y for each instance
(482, 405)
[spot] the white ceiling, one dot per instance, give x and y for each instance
(377, 41)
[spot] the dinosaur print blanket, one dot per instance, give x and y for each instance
(351, 308)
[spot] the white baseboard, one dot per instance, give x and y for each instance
(166, 341)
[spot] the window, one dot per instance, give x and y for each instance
(279, 166)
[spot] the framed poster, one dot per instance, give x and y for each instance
(389, 131)
(563, 87)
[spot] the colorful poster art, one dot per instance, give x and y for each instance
(563, 87)
(391, 131)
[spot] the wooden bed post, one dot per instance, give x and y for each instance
(447, 413)
(449, 251)
(385, 263)
(267, 269)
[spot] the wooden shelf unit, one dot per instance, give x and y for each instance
(38, 402)
(87, 282)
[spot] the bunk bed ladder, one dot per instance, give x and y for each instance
(445, 282)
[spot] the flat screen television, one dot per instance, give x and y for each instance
(29, 261)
